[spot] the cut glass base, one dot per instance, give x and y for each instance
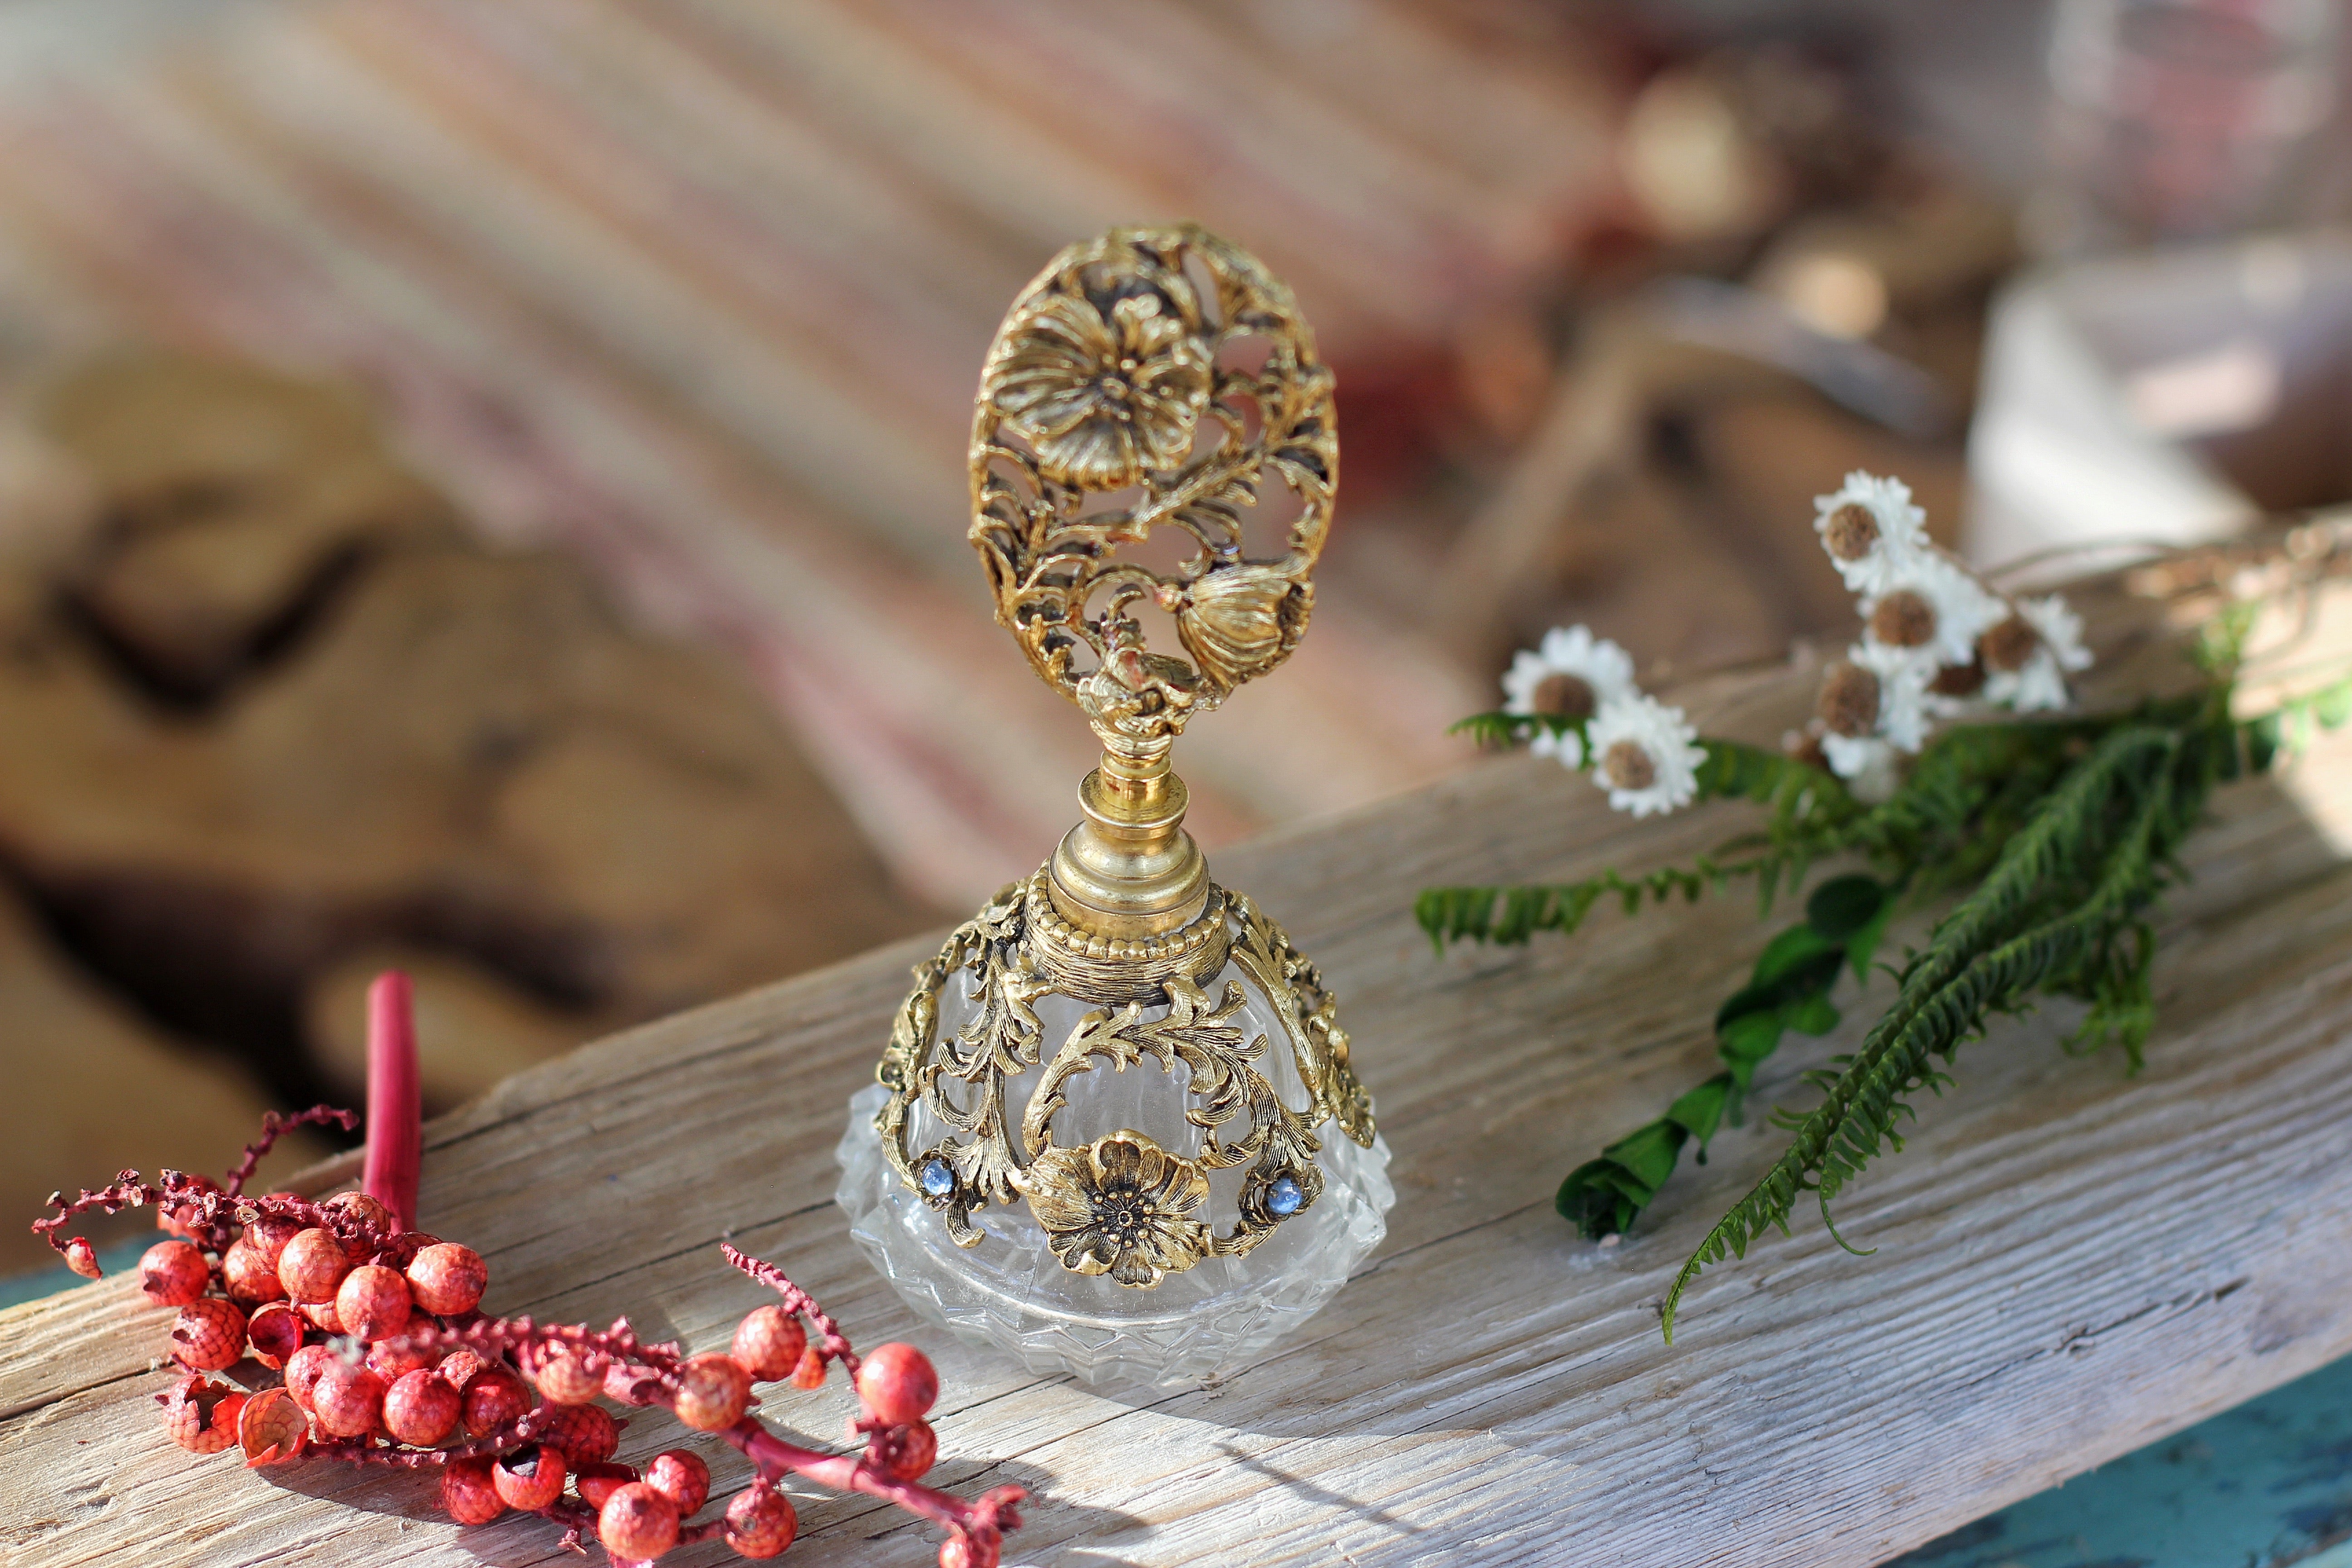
(1011, 1293)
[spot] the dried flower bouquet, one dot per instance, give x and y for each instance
(1946, 755)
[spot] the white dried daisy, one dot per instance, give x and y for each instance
(1876, 691)
(2027, 656)
(1645, 753)
(1874, 533)
(1867, 764)
(1936, 608)
(1570, 672)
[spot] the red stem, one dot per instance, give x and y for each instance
(273, 1128)
(831, 1341)
(984, 1520)
(395, 1116)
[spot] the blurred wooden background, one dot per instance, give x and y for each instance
(430, 424)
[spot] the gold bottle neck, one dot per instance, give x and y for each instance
(1130, 870)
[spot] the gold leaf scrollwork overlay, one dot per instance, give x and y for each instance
(1125, 392)
(1121, 1205)
(1311, 1014)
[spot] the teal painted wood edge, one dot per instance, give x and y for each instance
(2266, 1485)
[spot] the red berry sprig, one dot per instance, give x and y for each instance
(385, 1358)
(640, 1516)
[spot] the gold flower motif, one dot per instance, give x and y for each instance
(1238, 622)
(1119, 1205)
(1100, 401)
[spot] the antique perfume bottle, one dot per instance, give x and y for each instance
(1117, 1131)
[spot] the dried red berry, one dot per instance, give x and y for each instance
(447, 1277)
(276, 1332)
(401, 1250)
(760, 1522)
(769, 1343)
(322, 1315)
(208, 1334)
(810, 1373)
(494, 1396)
(312, 1266)
(302, 1370)
(249, 1275)
(583, 1433)
(916, 1450)
(530, 1477)
(636, 1523)
(389, 1358)
(372, 1302)
(679, 1475)
(224, 1417)
(420, 1409)
(898, 1383)
(172, 1273)
(459, 1367)
(348, 1399)
(467, 1494)
(201, 1414)
(956, 1552)
(270, 1233)
(712, 1391)
(272, 1428)
(81, 1257)
(595, 1482)
(370, 1213)
(563, 1378)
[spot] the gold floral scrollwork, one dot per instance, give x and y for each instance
(1120, 1206)
(960, 1078)
(1102, 397)
(1154, 377)
(1309, 1015)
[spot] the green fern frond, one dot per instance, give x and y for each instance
(2289, 730)
(1501, 729)
(2220, 642)
(1733, 770)
(2120, 986)
(2055, 910)
(1511, 915)
(1808, 808)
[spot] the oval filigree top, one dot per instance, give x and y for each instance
(1116, 399)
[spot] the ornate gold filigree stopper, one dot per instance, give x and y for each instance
(1147, 384)
(1151, 380)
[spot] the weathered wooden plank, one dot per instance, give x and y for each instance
(2069, 1264)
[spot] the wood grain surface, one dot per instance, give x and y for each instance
(2069, 1264)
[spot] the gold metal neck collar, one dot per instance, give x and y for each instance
(1130, 869)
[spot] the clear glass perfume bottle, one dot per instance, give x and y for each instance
(1015, 1293)
(1117, 1129)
